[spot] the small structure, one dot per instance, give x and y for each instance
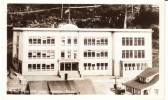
(145, 83)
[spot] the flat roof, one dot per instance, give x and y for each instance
(82, 29)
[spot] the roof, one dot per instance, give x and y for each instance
(71, 27)
(38, 87)
(139, 85)
(71, 86)
(149, 72)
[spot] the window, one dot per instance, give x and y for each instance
(39, 54)
(48, 67)
(34, 67)
(52, 40)
(89, 41)
(102, 66)
(127, 41)
(85, 41)
(85, 54)
(139, 53)
(69, 40)
(131, 53)
(62, 40)
(38, 67)
(127, 53)
(123, 53)
(89, 66)
(34, 54)
(75, 41)
(125, 65)
(44, 40)
(89, 53)
(52, 67)
(135, 41)
(106, 66)
(62, 66)
(34, 40)
(102, 53)
(139, 41)
(29, 67)
(143, 53)
(123, 41)
(75, 54)
(102, 41)
(69, 54)
(98, 41)
(135, 54)
(131, 41)
(63, 54)
(106, 41)
(48, 39)
(48, 54)
(44, 54)
(93, 41)
(98, 54)
(93, 53)
(43, 67)
(106, 54)
(52, 54)
(138, 66)
(30, 54)
(30, 40)
(143, 41)
(98, 65)
(93, 66)
(85, 65)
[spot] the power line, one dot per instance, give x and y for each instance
(24, 12)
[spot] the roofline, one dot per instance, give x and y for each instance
(82, 29)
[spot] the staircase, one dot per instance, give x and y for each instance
(71, 74)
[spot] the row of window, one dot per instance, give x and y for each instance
(40, 67)
(91, 41)
(38, 40)
(95, 54)
(97, 66)
(135, 66)
(38, 54)
(69, 41)
(129, 41)
(133, 54)
(69, 54)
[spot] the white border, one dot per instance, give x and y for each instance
(3, 44)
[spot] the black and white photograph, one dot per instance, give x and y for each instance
(83, 49)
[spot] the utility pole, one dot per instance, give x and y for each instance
(125, 20)
(62, 11)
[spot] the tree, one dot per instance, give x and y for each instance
(146, 16)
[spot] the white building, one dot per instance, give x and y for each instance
(146, 83)
(81, 51)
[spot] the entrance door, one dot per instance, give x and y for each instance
(69, 66)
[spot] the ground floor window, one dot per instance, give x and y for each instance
(97, 66)
(135, 66)
(40, 67)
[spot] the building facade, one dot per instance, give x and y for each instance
(81, 51)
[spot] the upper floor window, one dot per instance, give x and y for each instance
(63, 40)
(69, 40)
(95, 41)
(75, 41)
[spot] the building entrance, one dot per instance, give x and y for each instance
(69, 66)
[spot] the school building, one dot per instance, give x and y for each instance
(82, 51)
